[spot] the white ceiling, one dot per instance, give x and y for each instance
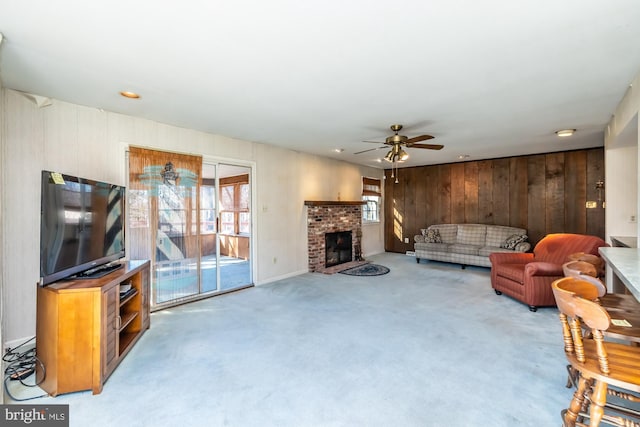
(487, 78)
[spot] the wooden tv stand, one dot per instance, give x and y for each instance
(84, 328)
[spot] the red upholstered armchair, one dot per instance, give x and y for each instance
(527, 277)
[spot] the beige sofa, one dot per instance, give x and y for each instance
(468, 244)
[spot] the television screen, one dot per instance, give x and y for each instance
(81, 225)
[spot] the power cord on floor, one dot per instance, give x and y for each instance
(20, 366)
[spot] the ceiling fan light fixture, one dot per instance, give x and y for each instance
(389, 156)
(402, 155)
(565, 132)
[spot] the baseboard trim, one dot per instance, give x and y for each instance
(299, 272)
(284, 276)
(372, 254)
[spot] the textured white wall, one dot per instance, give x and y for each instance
(622, 180)
(621, 174)
(90, 143)
(621, 165)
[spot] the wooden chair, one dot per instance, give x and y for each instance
(595, 260)
(629, 310)
(589, 271)
(601, 364)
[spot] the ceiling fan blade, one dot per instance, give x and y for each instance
(419, 138)
(427, 146)
(374, 142)
(371, 149)
(410, 126)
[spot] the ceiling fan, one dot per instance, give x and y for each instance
(396, 141)
(397, 153)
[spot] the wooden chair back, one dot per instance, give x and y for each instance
(584, 271)
(595, 260)
(574, 298)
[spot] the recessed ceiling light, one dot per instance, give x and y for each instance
(338, 150)
(565, 132)
(128, 94)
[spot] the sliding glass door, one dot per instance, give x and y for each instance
(193, 221)
(226, 243)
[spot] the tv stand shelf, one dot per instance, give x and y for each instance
(126, 297)
(126, 319)
(85, 327)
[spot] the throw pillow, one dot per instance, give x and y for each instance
(512, 241)
(432, 235)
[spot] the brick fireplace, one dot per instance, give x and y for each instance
(331, 217)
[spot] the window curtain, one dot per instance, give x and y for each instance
(371, 187)
(163, 211)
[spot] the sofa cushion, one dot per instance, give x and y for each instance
(432, 247)
(497, 234)
(471, 234)
(448, 232)
(512, 241)
(464, 249)
(432, 235)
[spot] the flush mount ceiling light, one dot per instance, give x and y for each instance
(128, 94)
(338, 150)
(565, 132)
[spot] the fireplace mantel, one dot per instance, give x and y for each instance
(333, 203)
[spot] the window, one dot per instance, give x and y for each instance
(371, 193)
(207, 207)
(234, 205)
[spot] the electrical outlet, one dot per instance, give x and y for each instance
(632, 218)
(406, 240)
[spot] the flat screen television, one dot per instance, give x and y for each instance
(81, 226)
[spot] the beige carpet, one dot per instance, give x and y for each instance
(426, 345)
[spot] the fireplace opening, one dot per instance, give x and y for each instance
(338, 248)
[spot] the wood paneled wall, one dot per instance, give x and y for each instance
(543, 193)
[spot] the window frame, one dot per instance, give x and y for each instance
(371, 193)
(237, 182)
(208, 183)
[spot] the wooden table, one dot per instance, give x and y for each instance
(625, 265)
